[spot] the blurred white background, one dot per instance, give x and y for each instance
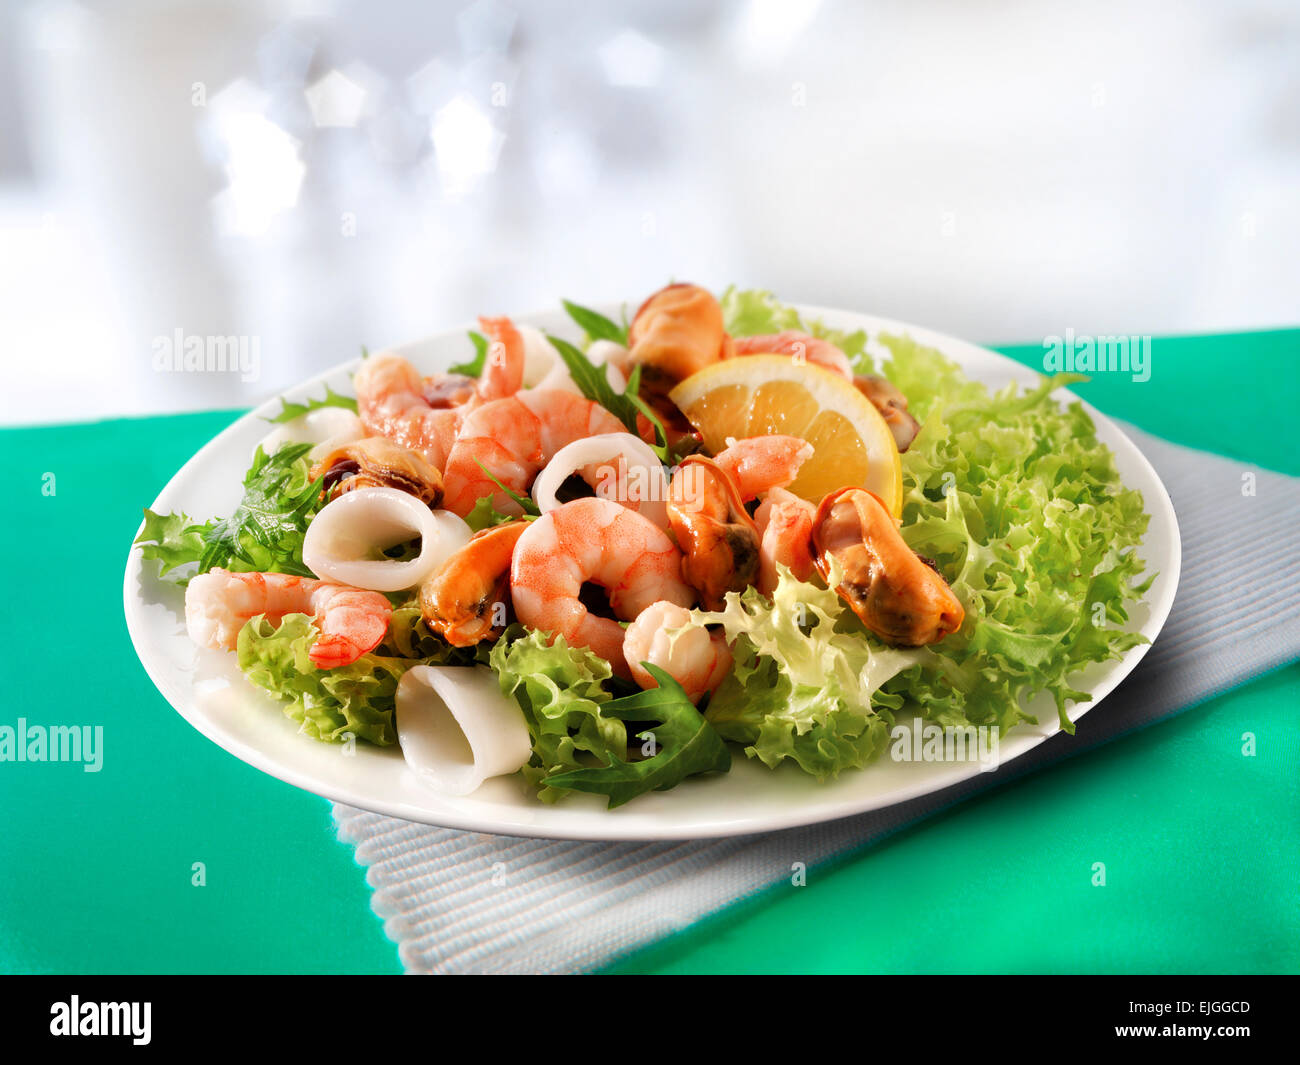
(320, 174)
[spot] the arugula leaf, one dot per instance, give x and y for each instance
(529, 506)
(595, 324)
(685, 741)
(263, 535)
(484, 515)
(290, 411)
(625, 405)
(474, 367)
(279, 499)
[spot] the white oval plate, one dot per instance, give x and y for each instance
(208, 690)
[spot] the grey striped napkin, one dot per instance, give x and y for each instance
(573, 907)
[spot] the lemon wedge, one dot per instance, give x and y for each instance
(763, 394)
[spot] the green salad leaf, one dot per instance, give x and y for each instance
(263, 535)
(525, 502)
(561, 692)
(484, 515)
(266, 530)
(595, 324)
(625, 405)
(682, 742)
(753, 312)
(474, 367)
(806, 680)
(290, 411)
(173, 540)
(1024, 510)
(358, 699)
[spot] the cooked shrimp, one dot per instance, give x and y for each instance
(694, 657)
(675, 333)
(593, 541)
(503, 370)
(391, 403)
(758, 464)
(785, 526)
(897, 596)
(717, 536)
(425, 414)
(464, 601)
(763, 466)
(511, 439)
(800, 346)
(352, 621)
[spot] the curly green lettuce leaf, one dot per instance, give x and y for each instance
(357, 700)
(561, 692)
(754, 312)
(410, 637)
(824, 729)
(806, 681)
(1023, 509)
(173, 540)
(682, 744)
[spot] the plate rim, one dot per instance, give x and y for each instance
(186, 705)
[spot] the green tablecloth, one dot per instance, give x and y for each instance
(99, 867)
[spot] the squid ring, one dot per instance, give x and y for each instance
(456, 728)
(346, 540)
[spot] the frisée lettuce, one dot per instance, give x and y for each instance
(806, 681)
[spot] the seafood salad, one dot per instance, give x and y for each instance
(715, 529)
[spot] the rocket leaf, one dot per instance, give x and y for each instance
(595, 324)
(290, 411)
(625, 406)
(684, 744)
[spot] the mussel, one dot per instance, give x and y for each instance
(377, 462)
(892, 405)
(898, 597)
(677, 332)
(717, 537)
